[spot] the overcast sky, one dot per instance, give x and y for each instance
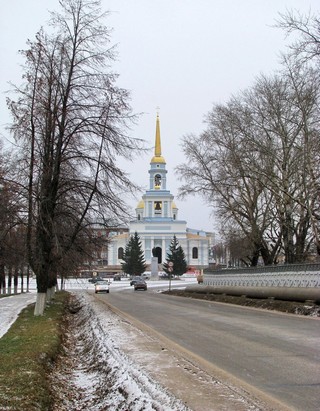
(179, 55)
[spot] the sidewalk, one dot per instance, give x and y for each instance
(10, 308)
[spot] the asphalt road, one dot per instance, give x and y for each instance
(276, 353)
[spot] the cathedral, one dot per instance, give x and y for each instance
(157, 221)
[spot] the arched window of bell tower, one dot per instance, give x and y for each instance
(157, 205)
(157, 181)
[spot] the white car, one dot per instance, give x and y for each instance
(101, 287)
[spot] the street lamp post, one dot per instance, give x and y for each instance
(170, 269)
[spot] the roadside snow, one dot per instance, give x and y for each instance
(94, 374)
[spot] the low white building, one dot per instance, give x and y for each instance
(157, 221)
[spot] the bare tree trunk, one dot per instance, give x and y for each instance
(28, 279)
(15, 280)
(50, 294)
(21, 279)
(40, 304)
(62, 283)
(9, 279)
(2, 280)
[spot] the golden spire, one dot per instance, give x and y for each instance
(157, 148)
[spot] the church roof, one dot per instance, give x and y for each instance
(140, 204)
(157, 158)
(123, 235)
(195, 236)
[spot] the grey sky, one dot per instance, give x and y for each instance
(180, 55)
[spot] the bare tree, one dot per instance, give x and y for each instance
(306, 47)
(305, 52)
(71, 120)
(12, 247)
(220, 164)
(285, 107)
(253, 164)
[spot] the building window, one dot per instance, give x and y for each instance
(195, 252)
(120, 253)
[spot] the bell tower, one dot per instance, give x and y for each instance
(157, 172)
(157, 202)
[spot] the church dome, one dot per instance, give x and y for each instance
(158, 159)
(140, 204)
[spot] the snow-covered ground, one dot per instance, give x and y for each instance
(10, 307)
(109, 364)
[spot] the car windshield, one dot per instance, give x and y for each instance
(101, 283)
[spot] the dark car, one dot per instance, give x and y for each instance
(94, 280)
(117, 277)
(135, 279)
(140, 285)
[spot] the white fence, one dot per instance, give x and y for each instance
(298, 275)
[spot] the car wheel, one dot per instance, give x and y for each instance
(107, 291)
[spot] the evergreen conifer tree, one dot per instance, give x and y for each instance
(177, 257)
(134, 262)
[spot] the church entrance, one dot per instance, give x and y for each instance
(157, 252)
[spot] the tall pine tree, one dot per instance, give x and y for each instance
(134, 262)
(177, 257)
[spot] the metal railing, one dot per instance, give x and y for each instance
(293, 275)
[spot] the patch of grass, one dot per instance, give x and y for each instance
(26, 353)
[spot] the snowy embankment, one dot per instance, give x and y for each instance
(94, 374)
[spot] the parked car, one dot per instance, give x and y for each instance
(93, 280)
(146, 275)
(101, 287)
(135, 279)
(163, 276)
(140, 285)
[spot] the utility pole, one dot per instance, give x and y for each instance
(170, 269)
